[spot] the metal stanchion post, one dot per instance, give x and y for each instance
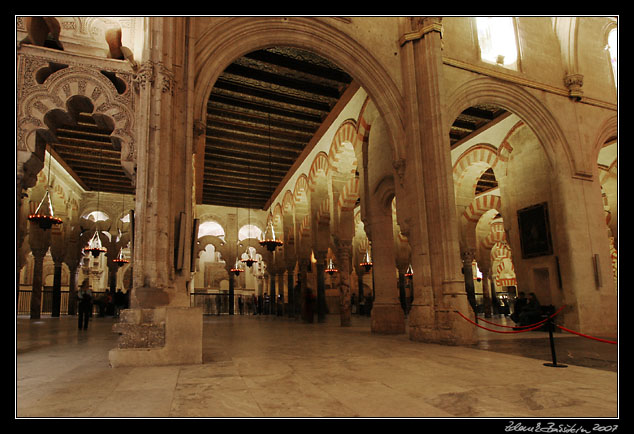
(551, 327)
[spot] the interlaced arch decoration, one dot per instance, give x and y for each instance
(39, 101)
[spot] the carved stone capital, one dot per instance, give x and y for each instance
(424, 26)
(144, 76)
(574, 83)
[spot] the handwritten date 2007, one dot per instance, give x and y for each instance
(552, 427)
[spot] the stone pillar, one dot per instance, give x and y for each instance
(360, 294)
(306, 314)
(72, 289)
(387, 315)
(344, 250)
(159, 300)
(57, 290)
(36, 290)
(421, 49)
(321, 286)
(467, 271)
(232, 282)
(486, 293)
(272, 309)
(401, 289)
(280, 293)
(290, 282)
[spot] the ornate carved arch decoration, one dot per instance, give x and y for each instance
(533, 113)
(229, 38)
(220, 246)
(44, 99)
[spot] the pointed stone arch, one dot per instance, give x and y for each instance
(527, 107)
(226, 39)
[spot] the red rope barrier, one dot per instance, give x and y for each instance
(498, 331)
(536, 326)
(586, 336)
(531, 325)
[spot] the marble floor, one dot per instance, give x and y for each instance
(276, 367)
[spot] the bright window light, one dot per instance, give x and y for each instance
(211, 228)
(496, 36)
(612, 47)
(249, 231)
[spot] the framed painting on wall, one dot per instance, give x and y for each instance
(534, 228)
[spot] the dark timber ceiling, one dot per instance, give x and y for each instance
(89, 155)
(284, 92)
(261, 114)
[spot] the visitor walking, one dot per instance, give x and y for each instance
(85, 305)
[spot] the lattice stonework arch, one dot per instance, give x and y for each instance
(37, 100)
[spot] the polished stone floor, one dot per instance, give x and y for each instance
(275, 367)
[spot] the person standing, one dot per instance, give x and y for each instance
(240, 304)
(85, 305)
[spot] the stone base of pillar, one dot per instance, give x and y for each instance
(387, 319)
(156, 337)
(440, 326)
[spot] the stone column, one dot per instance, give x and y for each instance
(486, 293)
(290, 282)
(72, 289)
(303, 281)
(387, 315)
(160, 327)
(467, 271)
(36, 290)
(321, 286)
(272, 309)
(57, 290)
(344, 250)
(421, 46)
(232, 282)
(280, 292)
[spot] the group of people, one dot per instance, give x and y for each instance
(527, 310)
(108, 303)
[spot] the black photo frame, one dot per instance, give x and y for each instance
(534, 229)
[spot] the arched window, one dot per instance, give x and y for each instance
(96, 216)
(497, 40)
(612, 49)
(211, 228)
(249, 231)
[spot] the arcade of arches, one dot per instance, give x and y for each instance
(484, 177)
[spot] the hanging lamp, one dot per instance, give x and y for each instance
(250, 259)
(269, 240)
(331, 269)
(120, 260)
(43, 215)
(94, 245)
(237, 267)
(367, 261)
(409, 272)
